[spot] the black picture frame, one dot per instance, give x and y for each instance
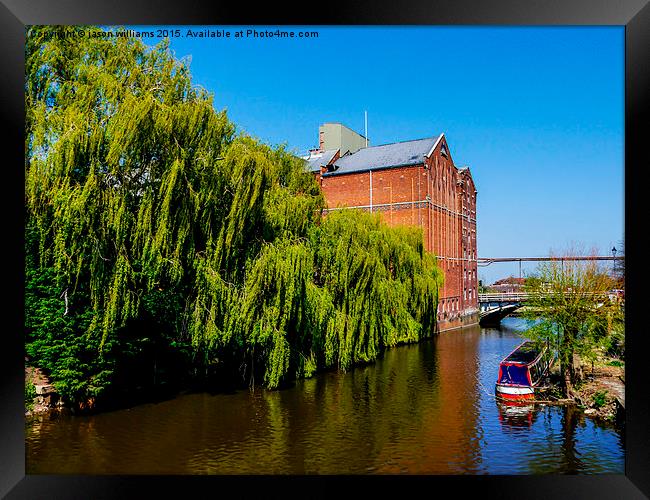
(16, 14)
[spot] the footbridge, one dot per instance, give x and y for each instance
(496, 306)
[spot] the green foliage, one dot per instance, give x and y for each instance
(30, 394)
(614, 343)
(600, 399)
(308, 367)
(166, 231)
(57, 342)
(382, 286)
(574, 315)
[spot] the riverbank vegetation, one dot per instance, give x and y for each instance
(577, 314)
(164, 247)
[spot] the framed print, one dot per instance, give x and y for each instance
(359, 245)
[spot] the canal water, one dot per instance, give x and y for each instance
(427, 408)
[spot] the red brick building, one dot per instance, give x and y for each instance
(410, 183)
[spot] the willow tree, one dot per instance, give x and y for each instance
(574, 312)
(142, 199)
(123, 184)
(382, 286)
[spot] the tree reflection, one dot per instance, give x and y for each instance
(571, 464)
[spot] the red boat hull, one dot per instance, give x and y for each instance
(514, 393)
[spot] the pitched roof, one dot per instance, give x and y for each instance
(388, 155)
(314, 163)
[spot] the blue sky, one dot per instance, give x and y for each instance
(537, 113)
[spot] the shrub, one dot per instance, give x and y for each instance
(30, 394)
(600, 399)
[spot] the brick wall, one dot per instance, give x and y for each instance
(441, 200)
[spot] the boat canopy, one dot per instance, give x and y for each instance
(513, 374)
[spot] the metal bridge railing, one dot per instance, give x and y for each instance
(502, 297)
(486, 261)
(522, 296)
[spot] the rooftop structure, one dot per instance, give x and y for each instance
(338, 136)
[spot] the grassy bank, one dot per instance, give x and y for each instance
(599, 390)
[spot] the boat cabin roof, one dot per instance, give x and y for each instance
(525, 353)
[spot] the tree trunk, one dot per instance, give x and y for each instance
(576, 369)
(568, 363)
(567, 382)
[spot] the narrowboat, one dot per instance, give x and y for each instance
(521, 372)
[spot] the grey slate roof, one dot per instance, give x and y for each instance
(315, 164)
(388, 155)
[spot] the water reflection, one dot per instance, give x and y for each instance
(425, 408)
(516, 415)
